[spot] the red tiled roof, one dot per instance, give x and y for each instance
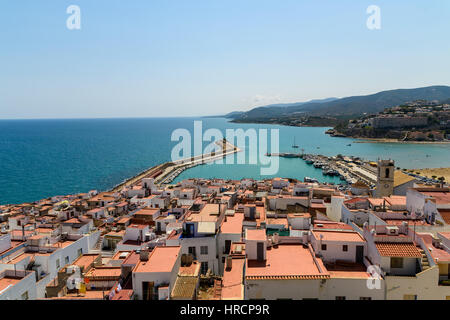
(298, 277)
(445, 214)
(398, 250)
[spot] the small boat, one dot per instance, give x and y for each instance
(333, 172)
(349, 145)
(294, 145)
(309, 161)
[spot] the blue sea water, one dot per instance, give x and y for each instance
(42, 158)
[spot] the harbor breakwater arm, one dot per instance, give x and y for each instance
(169, 170)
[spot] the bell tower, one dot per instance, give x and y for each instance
(385, 178)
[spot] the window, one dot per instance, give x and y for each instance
(226, 250)
(365, 298)
(204, 250)
(324, 247)
(67, 260)
(387, 173)
(340, 298)
(57, 264)
(204, 267)
(25, 295)
(396, 262)
(80, 252)
(345, 247)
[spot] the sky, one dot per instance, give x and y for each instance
(163, 58)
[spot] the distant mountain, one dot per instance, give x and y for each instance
(234, 114)
(297, 104)
(349, 106)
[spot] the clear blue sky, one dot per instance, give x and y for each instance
(157, 58)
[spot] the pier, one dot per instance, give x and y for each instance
(168, 171)
(285, 155)
(349, 169)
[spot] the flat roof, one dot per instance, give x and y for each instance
(161, 259)
(336, 235)
(439, 255)
(208, 213)
(348, 271)
(110, 272)
(147, 211)
(20, 257)
(332, 225)
(192, 270)
(287, 262)
(232, 281)
(137, 226)
(258, 234)
(233, 224)
(5, 282)
(86, 260)
(442, 197)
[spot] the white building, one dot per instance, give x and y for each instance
(154, 277)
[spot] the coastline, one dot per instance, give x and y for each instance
(356, 140)
(387, 140)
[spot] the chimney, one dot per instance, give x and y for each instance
(143, 255)
(276, 238)
(229, 263)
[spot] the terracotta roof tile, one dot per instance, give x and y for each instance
(445, 214)
(398, 250)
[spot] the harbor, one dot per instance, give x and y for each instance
(349, 169)
(166, 172)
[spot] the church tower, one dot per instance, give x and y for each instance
(385, 178)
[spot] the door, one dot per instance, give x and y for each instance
(260, 251)
(359, 254)
(147, 290)
(227, 246)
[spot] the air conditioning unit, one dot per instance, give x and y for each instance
(392, 230)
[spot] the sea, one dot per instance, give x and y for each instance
(43, 158)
